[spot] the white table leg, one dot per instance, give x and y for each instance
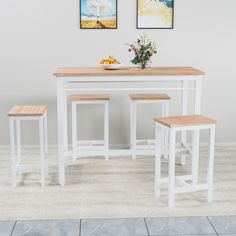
(158, 143)
(60, 120)
(198, 92)
(171, 180)
(211, 164)
(65, 118)
(184, 112)
(196, 134)
(65, 124)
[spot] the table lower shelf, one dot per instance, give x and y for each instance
(123, 152)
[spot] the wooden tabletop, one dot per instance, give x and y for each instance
(126, 71)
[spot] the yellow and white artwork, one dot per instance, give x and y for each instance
(156, 14)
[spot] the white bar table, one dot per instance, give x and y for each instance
(127, 75)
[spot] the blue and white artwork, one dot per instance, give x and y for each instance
(98, 14)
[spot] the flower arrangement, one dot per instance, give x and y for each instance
(143, 49)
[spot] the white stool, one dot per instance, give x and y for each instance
(25, 113)
(174, 124)
(91, 147)
(149, 148)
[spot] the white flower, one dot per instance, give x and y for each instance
(99, 5)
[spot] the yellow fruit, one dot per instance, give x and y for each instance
(110, 60)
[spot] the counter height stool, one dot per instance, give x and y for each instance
(94, 147)
(25, 113)
(173, 124)
(136, 145)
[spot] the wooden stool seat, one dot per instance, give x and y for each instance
(89, 97)
(28, 110)
(181, 121)
(149, 97)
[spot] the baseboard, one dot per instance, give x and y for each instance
(6, 148)
(221, 144)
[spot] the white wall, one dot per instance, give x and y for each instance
(36, 36)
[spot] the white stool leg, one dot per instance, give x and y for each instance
(45, 132)
(171, 194)
(13, 155)
(18, 143)
(74, 128)
(42, 153)
(134, 129)
(195, 156)
(211, 165)
(106, 130)
(131, 126)
(166, 113)
(158, 137)
(18, 138)
(184, 112)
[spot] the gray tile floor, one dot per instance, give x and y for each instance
(193, 226)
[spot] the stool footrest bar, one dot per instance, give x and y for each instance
(180, 178)
(90, 142)
(192, 188)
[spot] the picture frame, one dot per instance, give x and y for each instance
(98, 14)
(160, 16)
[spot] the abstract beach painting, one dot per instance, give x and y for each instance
(155, 14)
(98, 14)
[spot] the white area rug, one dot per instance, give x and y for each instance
(120, 187)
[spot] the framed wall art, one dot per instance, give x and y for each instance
(155, 14)
(98, 14)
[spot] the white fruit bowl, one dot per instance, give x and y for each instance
(111, 66)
